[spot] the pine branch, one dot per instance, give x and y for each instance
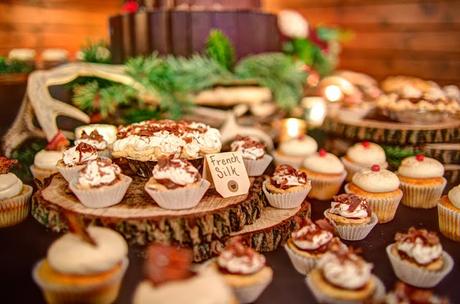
(96, 52)
(220, 49)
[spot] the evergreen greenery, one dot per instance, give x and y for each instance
(13, 66)
(220, 49)
(96, 52)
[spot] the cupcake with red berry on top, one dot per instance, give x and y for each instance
(363, 155)
(422, 181)
(254, 154)
(326, 173)
(293, 151)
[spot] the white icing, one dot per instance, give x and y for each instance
(423, 254)
(342, 210)
(72, 255)
(299, 146)
(183, 175)
(454, 196)
(73, 157)
(367, 156)
(376, 181)
(98, 173)
(45, 159)
(108, 132)
(291, 180)
(347, 274)
(427, 168)
(10, 185)
(55, 55)
(22, 54)
(100, 145)
(247, 152)
(241, 264)
(318, 239)
(328, 164)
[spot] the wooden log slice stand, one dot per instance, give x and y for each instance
(203, 228)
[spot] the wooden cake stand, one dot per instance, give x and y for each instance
(204, 228)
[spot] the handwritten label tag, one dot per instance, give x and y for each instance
(227, 172)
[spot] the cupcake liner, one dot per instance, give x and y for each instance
(353, 232)
(352, 167)
(144, 168)
(449, 222)
(104, 196)
(418, 276)
(104, 292)
(249, 294)
(384, 208)
(293, 161)
(256, 167)
(286, 200)
(177, 199)
(301, 263)
(422, 196)
(378, 296)
(324, 188)
(15, 209)
(70, 173)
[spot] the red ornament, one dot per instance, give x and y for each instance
(420, 157)
(130, 6)
(322, 152)
(375, 168)
(366, 144)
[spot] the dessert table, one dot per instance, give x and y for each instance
(26, 243)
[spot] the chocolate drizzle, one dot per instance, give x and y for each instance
(280, 178)
(94, 135)
(6, 164)
(353, 202)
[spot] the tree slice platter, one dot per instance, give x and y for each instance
(141, 221)
(392, 132)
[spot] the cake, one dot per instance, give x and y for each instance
(96, 140)
(253, 151)
(363, 155)
(293, 151)
(449, 214)
(74, 159)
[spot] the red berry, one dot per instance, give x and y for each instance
(375, 168)
(420, 157)
(322, 152)
(366, 144)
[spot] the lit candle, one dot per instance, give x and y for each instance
(108, 132)
(291, 128)
(314, 110)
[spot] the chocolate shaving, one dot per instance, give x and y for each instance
(353, 202)
(150, 127)
(94, 135)
(77, 227)
(427, 237)
(249, 142)
(283, 172)
(6, 164)
(166, 163)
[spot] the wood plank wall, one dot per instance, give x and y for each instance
(412, 37)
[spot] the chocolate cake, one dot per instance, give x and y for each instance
(181, 27)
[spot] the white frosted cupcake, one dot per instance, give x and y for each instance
(326, 173)
(418, 259)
(380, 188)
(406, 294)
(422, 181)
(255, 158)
(14, 195)
(176, 184)
(100, 184)
(77, 270)
(449, 214)
(96, 140)
(287, 188)
(363, 155)
(74, 159)
(292, 152)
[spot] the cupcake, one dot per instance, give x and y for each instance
(176, 184)
(341, 276)
(244, 270)
(351, 216)
(14, 195)
(327, 174)
(418, 259)
(100, 184)
(170, 279)
(363, 155)
(449, 214)
(74, 159)
(45, 161)
(406, 294)
(422, 181)
(287, 188)
(253, 152)
(96, 140)
(83, 270)
(380, 188)
(292, 152)
(309, 243)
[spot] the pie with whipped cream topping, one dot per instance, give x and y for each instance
(171, 174)
(349, 209)
(249, 147)
(287, 179)
(94, 139)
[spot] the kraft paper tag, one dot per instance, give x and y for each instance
(226, 171)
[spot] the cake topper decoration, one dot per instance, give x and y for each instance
(375, 168)
(6, 164)
(322, 152)
(420, 157)
(366, 144)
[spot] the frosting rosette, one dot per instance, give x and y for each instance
(236, 258)
(94, 139)
(97, 173)
(286, 176)
(376, 180)
(421, 167)
(175, 173)
(249, 147)
(419, 245)
(79, 154)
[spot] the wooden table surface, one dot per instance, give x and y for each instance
(26, 243)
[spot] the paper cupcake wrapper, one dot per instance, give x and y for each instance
(104, 196)
(324, 188)
(302, 264)
(422, 196)
(286, 200)
(321, 297)
(418, 276)
(384, 208)
(144, 168)
(352, 168)
(353, 232)
(257, 167)
(449, 222)
(293, 161)
(104, 292)
(249, 294)
(70, 173)
(178, 199)
(15, 209)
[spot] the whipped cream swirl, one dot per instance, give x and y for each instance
(174, 173)
(94, 139)
(286, 176)
(99, 173)
(311, 237)
(350, 206)
(249, 147)
(79, 154)
(239, 259)
(420, 245)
